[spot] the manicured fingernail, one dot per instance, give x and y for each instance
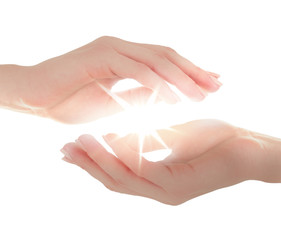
(79, 144)
(66, 159)
(110, 137)
(66, 154)
(199, 97)
(88, 143)
(202, 93)
(215, 80)
(214, 74)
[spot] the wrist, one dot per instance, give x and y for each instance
(258, 156)
(14, 87)
(270, 165)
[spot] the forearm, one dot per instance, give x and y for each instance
(14, 87)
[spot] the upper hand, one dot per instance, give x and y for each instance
(71, 88)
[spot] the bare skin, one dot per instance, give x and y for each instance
(76, 87)
(206, 155)
(71, 88)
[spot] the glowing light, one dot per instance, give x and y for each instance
(145, 119)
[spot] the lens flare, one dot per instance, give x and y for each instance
(144, 119)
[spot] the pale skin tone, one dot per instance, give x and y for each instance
(206, 155)
(73, 88)
(76, 88)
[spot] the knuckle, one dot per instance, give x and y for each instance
(169, 50)
(165, 52)
(105, 39)
(100, 49)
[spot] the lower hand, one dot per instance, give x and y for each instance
(206, 155)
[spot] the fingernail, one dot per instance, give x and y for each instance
(214, 74)
(66, 159)
(88, 143)
(215, 80)
(79, 144)
(110, 137)
(202, 94)
(66, 154)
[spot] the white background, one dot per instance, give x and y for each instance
(42, 197)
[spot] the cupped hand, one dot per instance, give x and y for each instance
(75, 87)
(206, 155)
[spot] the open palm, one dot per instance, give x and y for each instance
(206, 155)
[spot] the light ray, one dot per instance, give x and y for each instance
(152, 99)
(159, 139)
(119, 100)
(141, 142)
(144, 119)
(173, 130)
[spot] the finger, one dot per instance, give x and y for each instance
(113, 102)
(214, 74)
(152, 171)
(182, 137)
(199, 76)
(77, 156)
(115, 168)
(139, 96)
(163, 67)
(147, 143)
(127, 68)
(160, 139)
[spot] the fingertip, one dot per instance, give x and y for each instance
(67, 151)
(208, 80)
(215, 81)
(85, 138)
(66, 146)
(80, 145)
(87, 142)
(200, 96)
(214, 74)
(110, 137)
(66, 159)
(211, 84)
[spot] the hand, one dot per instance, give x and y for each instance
(75, 87)
(206, 155)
